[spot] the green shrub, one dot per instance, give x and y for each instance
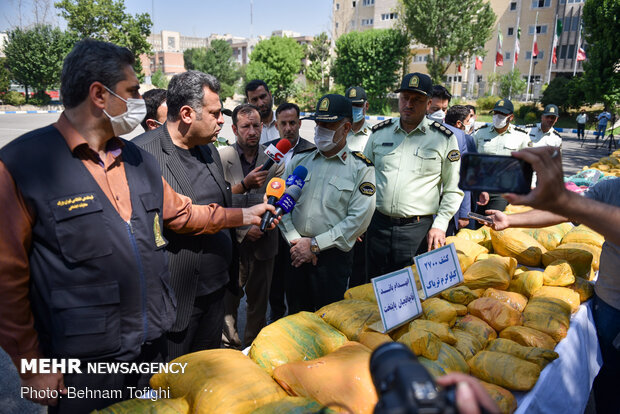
(523, 110)
(486, 103)
(40, 99)
(530, 118)
(13, 98)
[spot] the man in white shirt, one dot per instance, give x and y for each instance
(257, 94)
(582, 118)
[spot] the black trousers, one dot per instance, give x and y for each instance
(581, 128)
(154, 351)
(392, 246)
(277, 291)
(359, 276)
(204, 330)
(309, 287)
(496, 202)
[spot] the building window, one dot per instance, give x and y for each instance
(513, 5)
(352, 23)
(479, 78)
(353, 3)
(511, 31)
(389, 16)
(336, 25)
(540, 4)
(507, 56)
(540, 29)
(337, 6)
(171, 43)
(540, 56)
(367, 22)
(452, 78)
(571, 52)
(368, 2)
(533, 78)
(420, 58)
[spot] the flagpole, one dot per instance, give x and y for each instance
(577, 48)
(516, 37)
(499, 31)
(553, 45)
(529, 74)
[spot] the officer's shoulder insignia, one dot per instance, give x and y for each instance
(530, 125)
(530, 144)
(481, 127)
(454, 155)
(556, 133)
(382, 124)
(441, 128)
(520, 129)
(361, 156)
(367, 188)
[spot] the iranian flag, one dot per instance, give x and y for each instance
(478, 65)
(556, 37)
(499, 57)
(518, 45)
(581, 54)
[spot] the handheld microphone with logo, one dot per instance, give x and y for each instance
(276, 153)
(287, 202)
(274, 191)
(297, 177)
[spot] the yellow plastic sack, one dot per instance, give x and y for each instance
(514, 299)
(441, 330)
(293, 405)
(504, 370)
(350, 316)
(477, 327)
(548, 315)
(512, 209)
(595, 250)
(211, 383)
(527, 283)
(550, 237)
(495, 272)
(459, 294)
(362, 292)
(373, 340)
(467, 247)
(467, 343)
(583, 288)
(497, 314)
(558, 273)
(579, 259)
(539, 356)
(160, 406)
(341, 378)
(527, 336)
(439, 310)
(422, 343)
(476, 236)
(584, 234)
(450, 360)
(504, 399)
(569, 296)
(515, 243)
(461, 310)
(395, 334)
(294, 338)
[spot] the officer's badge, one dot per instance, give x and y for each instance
(352, 93)
(324, 105)
(367, 188)
(414, 82)
(159, 239)
(454, 155)
(500, 103)
(552, 110)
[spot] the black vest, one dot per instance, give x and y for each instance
(98, 285)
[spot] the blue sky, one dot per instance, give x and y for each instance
(201, 18)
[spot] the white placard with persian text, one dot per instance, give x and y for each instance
(439, 270)
(397, 298)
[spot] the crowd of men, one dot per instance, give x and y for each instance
(141, 250)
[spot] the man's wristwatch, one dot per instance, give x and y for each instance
(314, 246)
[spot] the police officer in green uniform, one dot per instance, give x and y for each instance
(335, 207)
(543, 134)
(360, 129)
(500, 138)
(417, 163)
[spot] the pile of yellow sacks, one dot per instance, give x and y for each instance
(608, 165)
(501, 326)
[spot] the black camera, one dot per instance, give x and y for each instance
(404, 386)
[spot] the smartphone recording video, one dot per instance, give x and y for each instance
(495, 174)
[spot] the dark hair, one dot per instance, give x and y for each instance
(441, 93)
(471, 108)
(187, 88)
(244, 109)
(287, 106)
(92, 61)
(456, 113)
(153, 100)
(254, 85)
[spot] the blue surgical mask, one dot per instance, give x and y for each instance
(358, 113)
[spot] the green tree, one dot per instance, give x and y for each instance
(372, 59)
(557, 93)
(34, 56)
(216, 60)
(5, 76)
(318, 55)
(601, 80)
(512, 83)
(107, 20)
(276, 61)
(453, 29)
(159, 80)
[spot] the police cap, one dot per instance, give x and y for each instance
(416, 82)
(551, 110)
(332, 108)
(356, 94)
(504, 106)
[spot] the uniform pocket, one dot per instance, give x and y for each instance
(338, 190)
(426, 162)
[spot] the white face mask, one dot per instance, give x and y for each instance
(127, 121)
(438, 116)
(358, 113)
(466, 127)
(323, 138)
(499, 121)
(472, 122)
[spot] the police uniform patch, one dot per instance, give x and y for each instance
(361, 156)
(382, 124)
(530, 144)
(414, 82)
(454, 155)
(500, 103)
(352, 93)
(367, 188)
(159, 239)
(324, 105)
(552, 110)
(436, 125)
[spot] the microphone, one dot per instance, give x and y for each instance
(276, 153)
(297, 177)
(287, 202)
(274, 191)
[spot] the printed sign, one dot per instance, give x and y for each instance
(397, 298)
(439, 270)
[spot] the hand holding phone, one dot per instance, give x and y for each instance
(480, 218)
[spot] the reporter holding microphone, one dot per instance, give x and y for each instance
(242, 163)
(335, 207)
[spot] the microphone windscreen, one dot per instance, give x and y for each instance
(301, 172)
(294, 191)
(284, 146)
(276, 187)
